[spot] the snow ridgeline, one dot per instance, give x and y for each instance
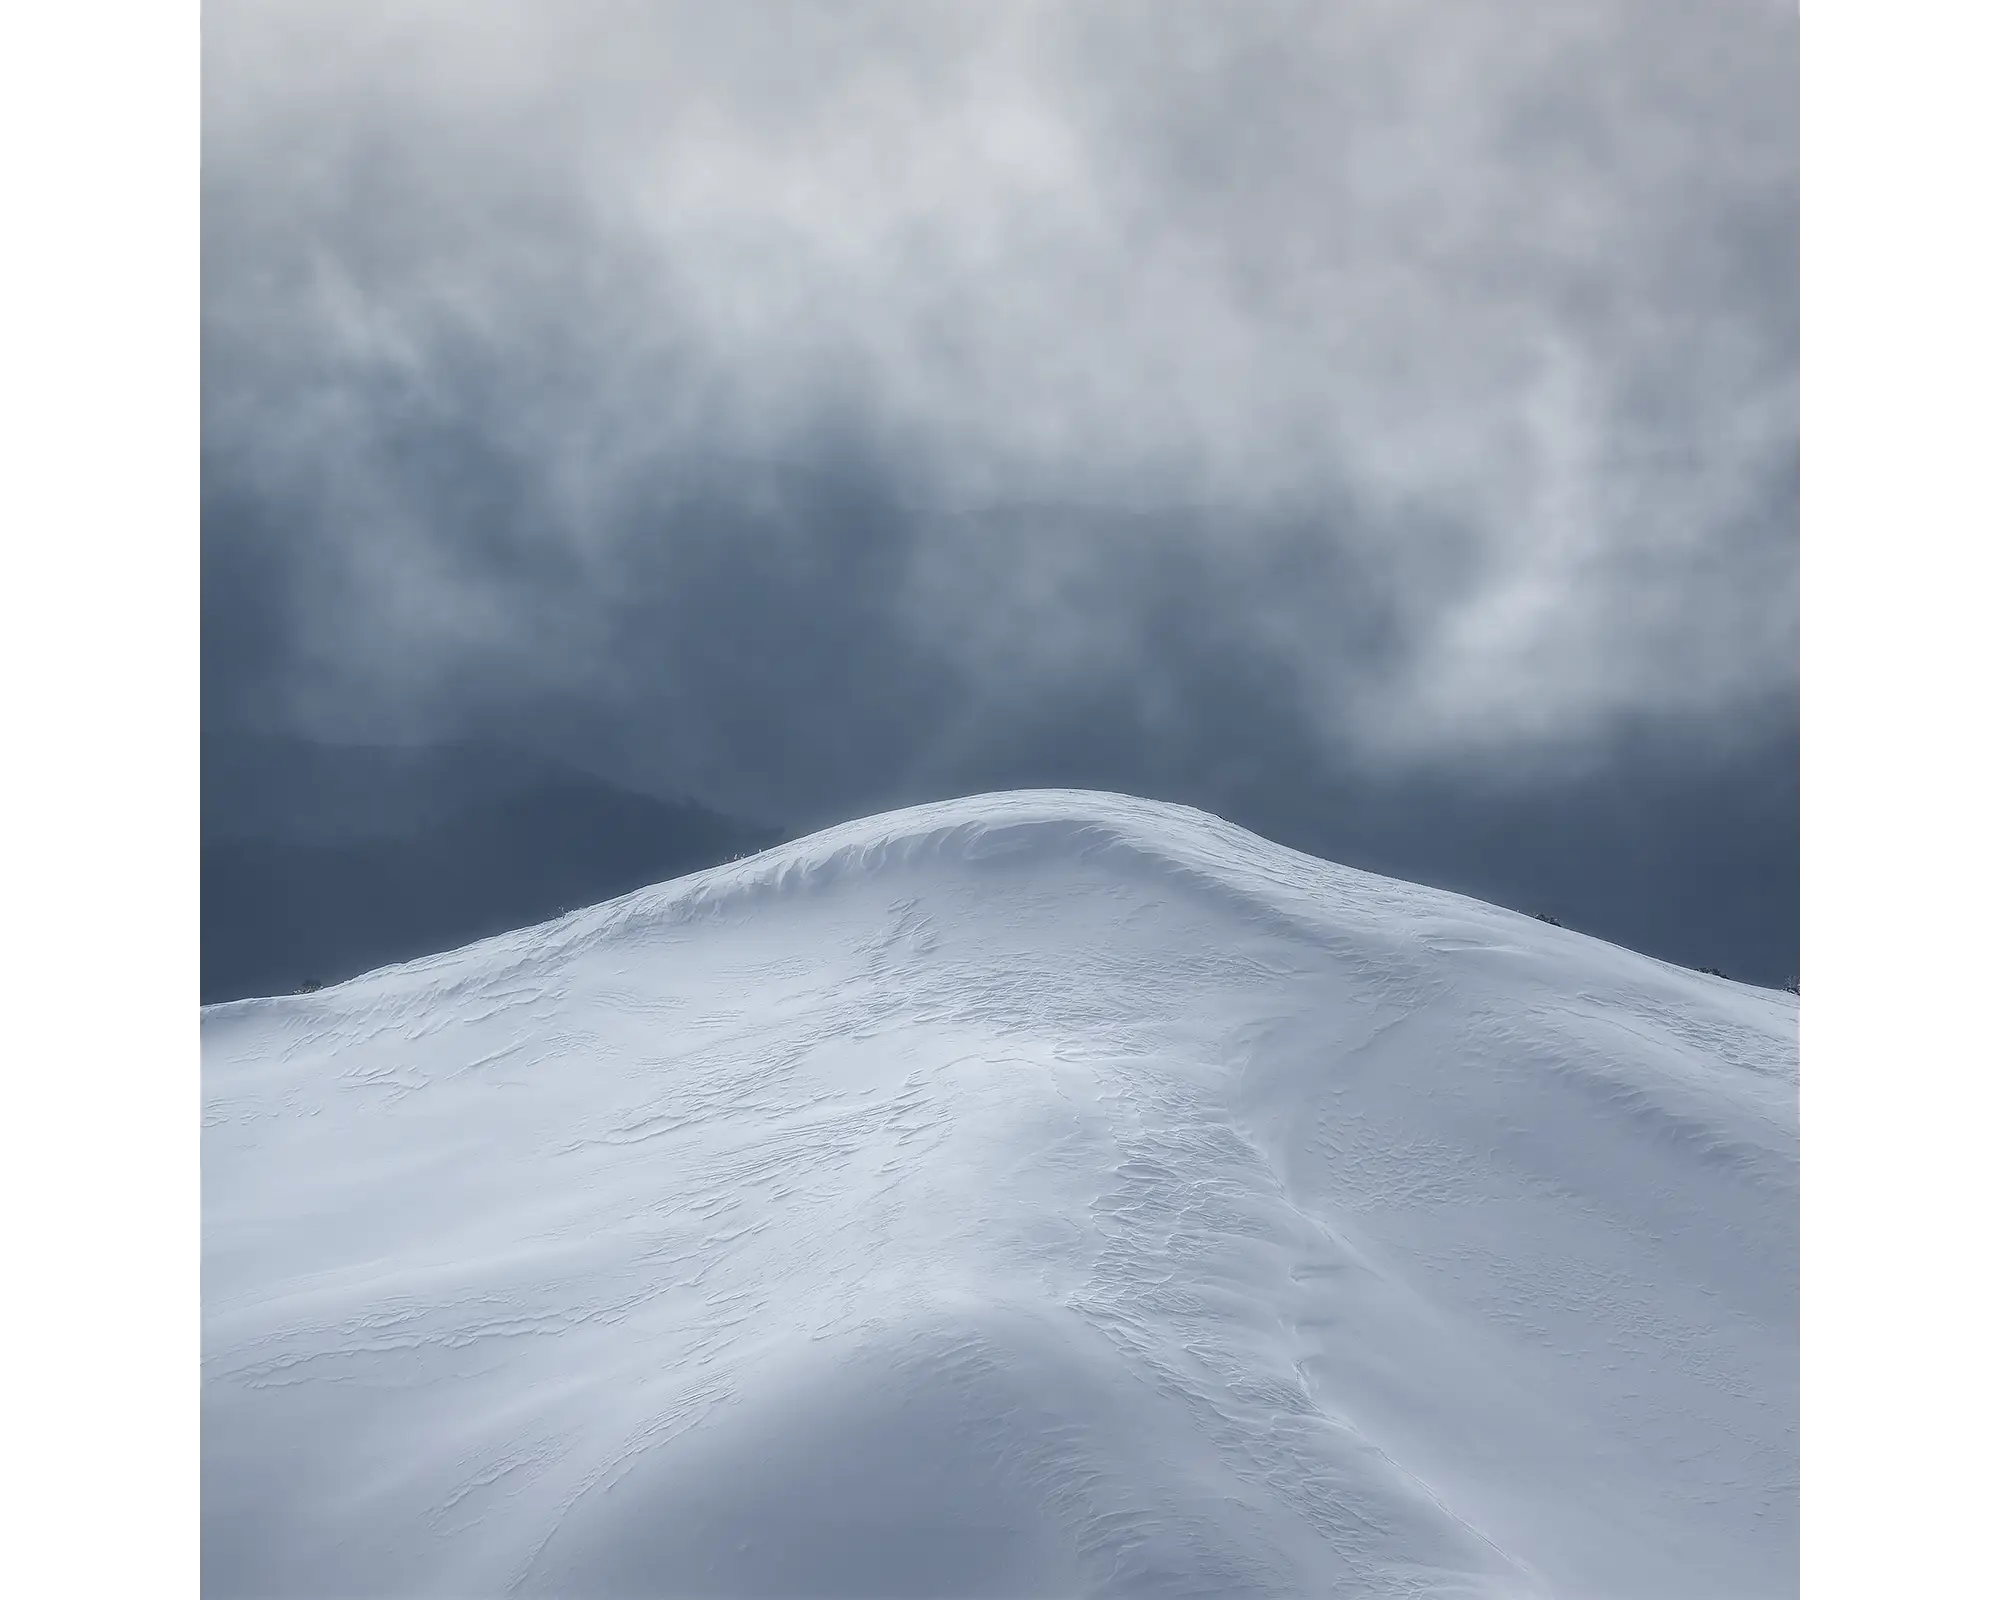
(1035, 1194)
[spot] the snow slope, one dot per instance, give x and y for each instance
(1036, 1194)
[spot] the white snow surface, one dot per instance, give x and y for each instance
(1037, 1194)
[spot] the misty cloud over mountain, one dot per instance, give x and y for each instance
(815, 408)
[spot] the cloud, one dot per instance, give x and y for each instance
(876, 376)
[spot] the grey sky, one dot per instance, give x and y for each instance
(807, 401)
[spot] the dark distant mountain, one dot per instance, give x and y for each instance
(264, 786)
(320, 862)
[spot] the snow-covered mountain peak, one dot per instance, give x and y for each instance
(1038, 1193)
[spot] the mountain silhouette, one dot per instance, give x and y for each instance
(319, 862)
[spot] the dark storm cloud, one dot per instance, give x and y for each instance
(812, 400)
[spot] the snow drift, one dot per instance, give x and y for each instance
(1037, 1194)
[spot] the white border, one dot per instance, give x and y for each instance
(1900, 279)
(99, 513)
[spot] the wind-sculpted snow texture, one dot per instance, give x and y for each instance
(1038, 1194)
